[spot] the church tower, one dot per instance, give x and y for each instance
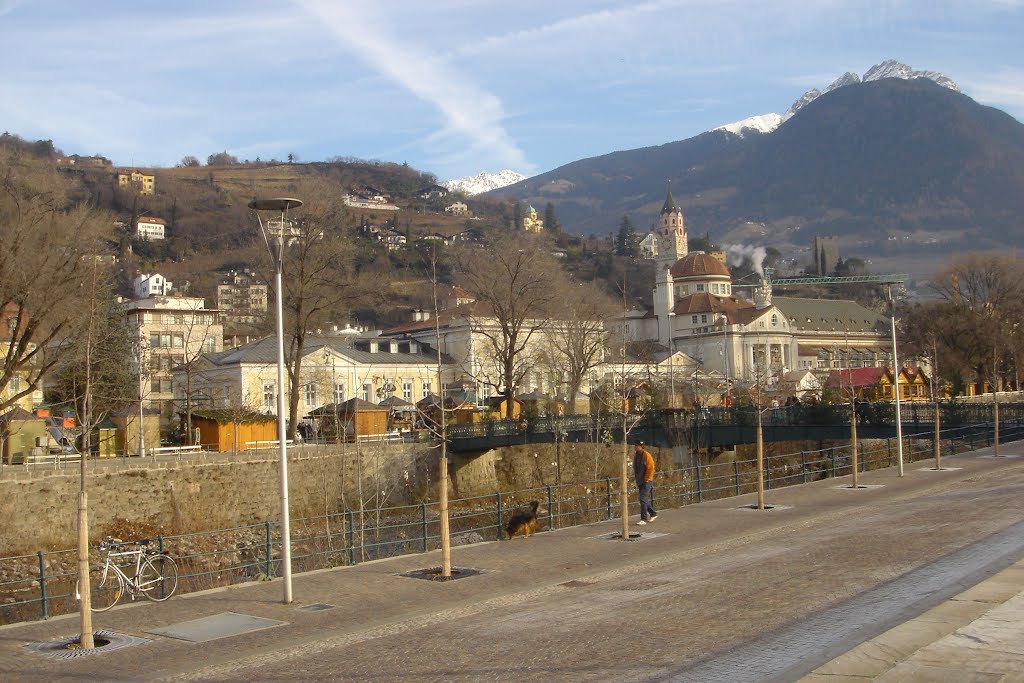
(671, 233)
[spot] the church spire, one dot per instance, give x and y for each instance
(670, 202)
(672, 242)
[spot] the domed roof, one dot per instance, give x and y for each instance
(698, 264)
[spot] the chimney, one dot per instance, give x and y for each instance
(762, 296)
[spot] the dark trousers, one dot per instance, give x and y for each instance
(646, 500)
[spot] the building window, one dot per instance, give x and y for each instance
(775, 320)
(693, 319)
(165, 340)
(269, 394)
(210, 344)
(704, 318)
(339, 392)
(407, 390)
(426, 389)
(309, 394)
(700, 287)
(160, 386)
(368, 392)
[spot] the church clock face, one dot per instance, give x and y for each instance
(666, 243)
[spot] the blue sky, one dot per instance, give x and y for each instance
(456, 87)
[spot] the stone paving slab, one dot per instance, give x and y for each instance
(563, 605)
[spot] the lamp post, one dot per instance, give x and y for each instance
(672, 356)
(328, 358)
(896, 385)
(277, 232)
(142, 392)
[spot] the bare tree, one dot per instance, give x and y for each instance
(986, 291)
(318, 279)
(515, 286)
(49, 268)
(44, 266)
(199, 336)
(576, 341)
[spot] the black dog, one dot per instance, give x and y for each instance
(523, 522)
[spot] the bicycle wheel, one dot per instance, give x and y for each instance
(158, 577)
(105, 588)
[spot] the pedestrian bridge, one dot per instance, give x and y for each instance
(720, 427)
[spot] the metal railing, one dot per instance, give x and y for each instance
(41, 584)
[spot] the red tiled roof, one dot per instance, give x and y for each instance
(856, 377)
(699, 264)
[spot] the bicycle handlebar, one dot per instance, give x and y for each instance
(111, 542)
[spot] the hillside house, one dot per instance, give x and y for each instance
(146, 285)
(143, 183)
(433, 192)
(649, 246)
(150, 229)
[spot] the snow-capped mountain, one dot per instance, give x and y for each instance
(764, 123)
(890, 68)
(482, 182)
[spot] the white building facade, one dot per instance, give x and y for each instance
(172, 331)
(148, 228)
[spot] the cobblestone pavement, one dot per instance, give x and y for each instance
(712, 592)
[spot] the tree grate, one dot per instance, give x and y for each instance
(434, 574)
(67, 648)
(633, 536)
(753, 506)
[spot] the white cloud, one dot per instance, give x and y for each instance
(468, 110)
(1004, 88)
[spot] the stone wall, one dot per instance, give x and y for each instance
(218, 491)
(534, 465)
(39, 508)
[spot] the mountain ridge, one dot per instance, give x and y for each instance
(890, 68)
(483, 182)
(869, 160)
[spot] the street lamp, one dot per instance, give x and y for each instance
(142, 392)
(328, 358)
(726, 351)
(672, 355)
(896, 385)
(277, 232)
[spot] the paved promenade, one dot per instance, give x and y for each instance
(913, 578)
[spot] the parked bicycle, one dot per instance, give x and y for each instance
(135, 570)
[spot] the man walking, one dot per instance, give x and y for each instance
(643, 470)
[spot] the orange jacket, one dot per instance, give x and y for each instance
(643, 463)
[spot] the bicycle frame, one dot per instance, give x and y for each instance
(131, 584)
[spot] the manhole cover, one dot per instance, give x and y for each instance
(215, 627)
(67, 648)
(316, 607)
(434, 574)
